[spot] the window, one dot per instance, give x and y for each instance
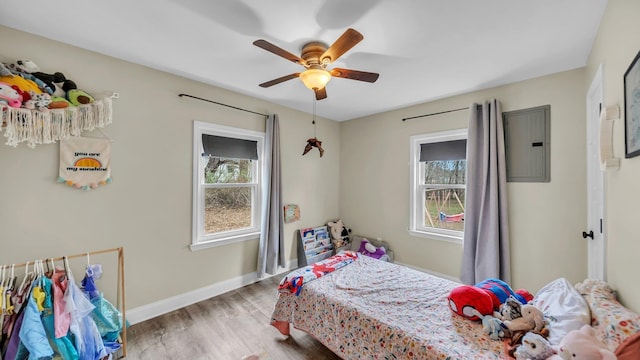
(227, 170)
(438, 170)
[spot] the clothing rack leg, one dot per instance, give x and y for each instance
(122, 296)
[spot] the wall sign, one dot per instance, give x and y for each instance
(85, 163)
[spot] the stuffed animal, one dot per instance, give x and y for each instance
(21, 84)
(582, 344)
(75, 95)
(470, 302)
(24, 66)
(368, 249)
(509, 310)
(311, 143)
(339, 233)
(532, 320)
(55, 84)
(500, 292)
(4, 70)
(38, 101)
(494, 328)
(534, 347)
(9, 96)
(486, 297)
(58, 102)
(55, 80)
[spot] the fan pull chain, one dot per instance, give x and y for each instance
(314, 116)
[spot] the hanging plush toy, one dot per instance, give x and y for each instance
(311, 143)
(9, 96)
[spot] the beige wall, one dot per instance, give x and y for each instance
(546, 219)
(147, 208)
(616, 45)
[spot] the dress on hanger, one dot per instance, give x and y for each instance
(107, 317)
(88, 341)
(32, 334)
(62, 345)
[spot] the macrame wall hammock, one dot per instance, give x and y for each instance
(45, 127)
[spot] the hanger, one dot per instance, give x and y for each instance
(27, 275)
(3, 289)
(39, 265)
(12, 278)
(2, 276)
(68, 268)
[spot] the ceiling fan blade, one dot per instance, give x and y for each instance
(321, 93)
(279, 80)
(355, 75)
(345, 42)
(264, 44)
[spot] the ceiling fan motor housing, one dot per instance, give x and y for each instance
(311, 53)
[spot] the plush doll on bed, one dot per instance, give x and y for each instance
(485, 297)
(582, 344)
(368, 249)
(534, 347)
(339, 233)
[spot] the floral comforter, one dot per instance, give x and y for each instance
(372, 309)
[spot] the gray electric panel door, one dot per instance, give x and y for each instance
(527, 145)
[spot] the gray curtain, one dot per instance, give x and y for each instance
(486, 227)
(271, 250)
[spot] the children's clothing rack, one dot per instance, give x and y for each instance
(121, 294)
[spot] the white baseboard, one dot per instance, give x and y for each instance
(448, 277)
(151, 310)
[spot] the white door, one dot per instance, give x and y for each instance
(595, 233)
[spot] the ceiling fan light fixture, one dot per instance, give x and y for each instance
(315, 78)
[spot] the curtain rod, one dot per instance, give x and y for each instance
(218, 103)
(437, 113)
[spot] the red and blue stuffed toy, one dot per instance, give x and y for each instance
(484, 297)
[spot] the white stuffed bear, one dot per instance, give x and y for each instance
(534, 347)
(582, 345)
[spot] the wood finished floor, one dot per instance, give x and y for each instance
(227, 327)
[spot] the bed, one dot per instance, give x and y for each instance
(379, 310)
(371, 309)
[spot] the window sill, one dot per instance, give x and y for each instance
(436, 236)
(224, 241)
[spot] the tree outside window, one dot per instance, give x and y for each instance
(227, 184)
(438, 188)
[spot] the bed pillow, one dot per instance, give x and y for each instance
(563, 308)
(613, 322)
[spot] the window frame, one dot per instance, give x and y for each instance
(199, 239)
(416, 197)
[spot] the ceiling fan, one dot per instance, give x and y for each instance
(315, 56)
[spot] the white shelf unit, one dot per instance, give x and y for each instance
(314, 244)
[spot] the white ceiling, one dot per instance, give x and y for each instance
(423, 49)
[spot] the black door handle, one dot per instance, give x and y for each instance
(586, 235)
